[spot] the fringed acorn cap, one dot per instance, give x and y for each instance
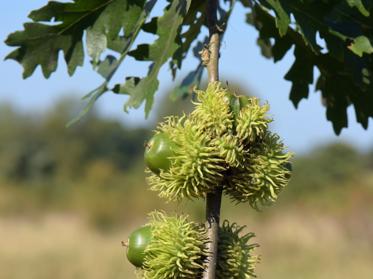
(177, 248)
(212, 113)
(252, 121)
(231, 150)
(235, 258)
(264, 176)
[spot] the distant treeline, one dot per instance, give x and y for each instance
(41, 147)
(95, 168)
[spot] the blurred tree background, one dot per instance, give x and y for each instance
(80, 183)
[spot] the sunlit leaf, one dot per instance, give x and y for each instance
(282, 19)
(92, 97)
(39, 43)
(359, 5)
(361, 45)
(160, 51)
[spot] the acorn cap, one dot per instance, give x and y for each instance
(177, 248)
(264, 176)
(235, 258)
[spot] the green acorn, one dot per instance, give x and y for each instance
(136, 245)
(178, 248)
(264, 176)
(158, 153)
(235, 259)
(196, 166)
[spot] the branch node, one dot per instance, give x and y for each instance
(205, 55)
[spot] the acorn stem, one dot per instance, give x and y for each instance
(210, 58)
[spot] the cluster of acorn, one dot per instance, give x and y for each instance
(225, 142)
(174, 247)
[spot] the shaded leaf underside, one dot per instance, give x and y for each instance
(342, 53)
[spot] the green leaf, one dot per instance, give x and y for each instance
(361, 45)
(282, 19)
(143, 90)
(119, 14)
(336, 105)
(301, 75)
(134, 20)
(93, 97)
(122, 44)
(39, 43)
(151, 26)
(194, 20)
(110, 65)
(267, 29)
(265, 47)
(96, 44)
(106, 67)
(130, 84)
(141, 53)
(280, 48)
(359, 5)
(343, 67)
(168, 27)
(308, 30)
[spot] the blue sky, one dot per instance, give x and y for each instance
(241, 61)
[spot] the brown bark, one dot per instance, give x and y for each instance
(213, 200)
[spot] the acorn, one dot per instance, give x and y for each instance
(158, 153)
(177, 248)
(137, 242)
(196, 166)
(266, 174)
